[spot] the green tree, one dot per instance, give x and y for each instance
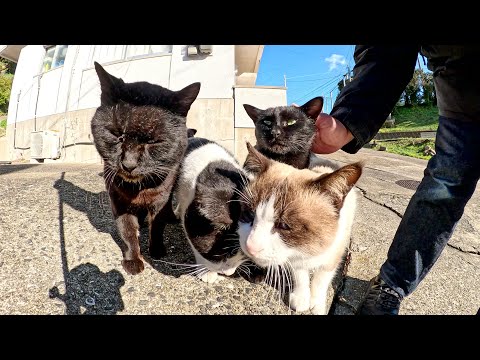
(7, 66)
(412, 94)
(429, 97)
(5, 88)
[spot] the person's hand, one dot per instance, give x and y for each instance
(331, 135)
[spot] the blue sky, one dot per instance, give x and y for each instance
(311, 70)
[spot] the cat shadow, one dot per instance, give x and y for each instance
(97, 208)
(88, 290)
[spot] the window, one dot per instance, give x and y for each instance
(109, 53)
(141, 50)
(54, 57)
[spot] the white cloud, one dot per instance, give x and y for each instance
(334, 60)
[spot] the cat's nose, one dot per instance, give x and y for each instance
(253, 248)
(128, 166)
(276, 133)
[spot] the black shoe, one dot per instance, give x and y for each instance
(380, 299)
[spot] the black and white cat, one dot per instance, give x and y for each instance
(286, 133)
(207, 197)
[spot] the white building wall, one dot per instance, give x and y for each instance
(75, 86)
(29, 65)
(154, 69)
(261, 97)
(216, 72)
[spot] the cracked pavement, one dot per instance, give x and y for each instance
(60, 253)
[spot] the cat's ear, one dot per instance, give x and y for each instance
(255, 163)
(108, 84)
(191, 132)
(313, 107)
(338, 183)
(253, 112)
(185, 98)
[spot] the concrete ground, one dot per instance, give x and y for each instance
(60, 254)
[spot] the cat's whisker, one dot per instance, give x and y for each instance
(178, 264)
(243, 196)
(236, 200)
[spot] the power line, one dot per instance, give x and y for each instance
(328, 83)
(300, 76)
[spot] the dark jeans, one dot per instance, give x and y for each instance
(438, 204)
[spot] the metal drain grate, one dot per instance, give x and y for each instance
(408, 184)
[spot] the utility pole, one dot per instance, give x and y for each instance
(331, 101)
(285, 79)
(348, 74)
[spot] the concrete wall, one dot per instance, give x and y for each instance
(75, 136)
(152, 69)
(242, 135)
(214, 120)
(261, 97)
(216, 72)
(64, 99)
(4, 149)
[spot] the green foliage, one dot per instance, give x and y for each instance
(429, 96)
(408, 147)
(420, 90)
(415, 118)
(5, 88)
(7, 66)
(6, 81)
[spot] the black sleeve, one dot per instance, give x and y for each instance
(380, 75)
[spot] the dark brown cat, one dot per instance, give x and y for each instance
(140, 132)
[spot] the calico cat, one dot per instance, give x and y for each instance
(286, 133)
(207, 194)
(140, 132)
(301, 221)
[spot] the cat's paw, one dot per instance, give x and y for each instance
(157, 250)
(257, 275)
(210, 277)
(133, 267)
(299, 300)
(319, 309)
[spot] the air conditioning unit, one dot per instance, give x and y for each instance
(206, 49)
(45, 144)
(193, 50)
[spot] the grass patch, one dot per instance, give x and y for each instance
(407, 147)
(415, 118)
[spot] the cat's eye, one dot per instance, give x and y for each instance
(121, 138)
(291, 122)
(282, 225)
(152, 141)
(267, 122)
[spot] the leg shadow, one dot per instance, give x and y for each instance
(98, 210)
(87, 289)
